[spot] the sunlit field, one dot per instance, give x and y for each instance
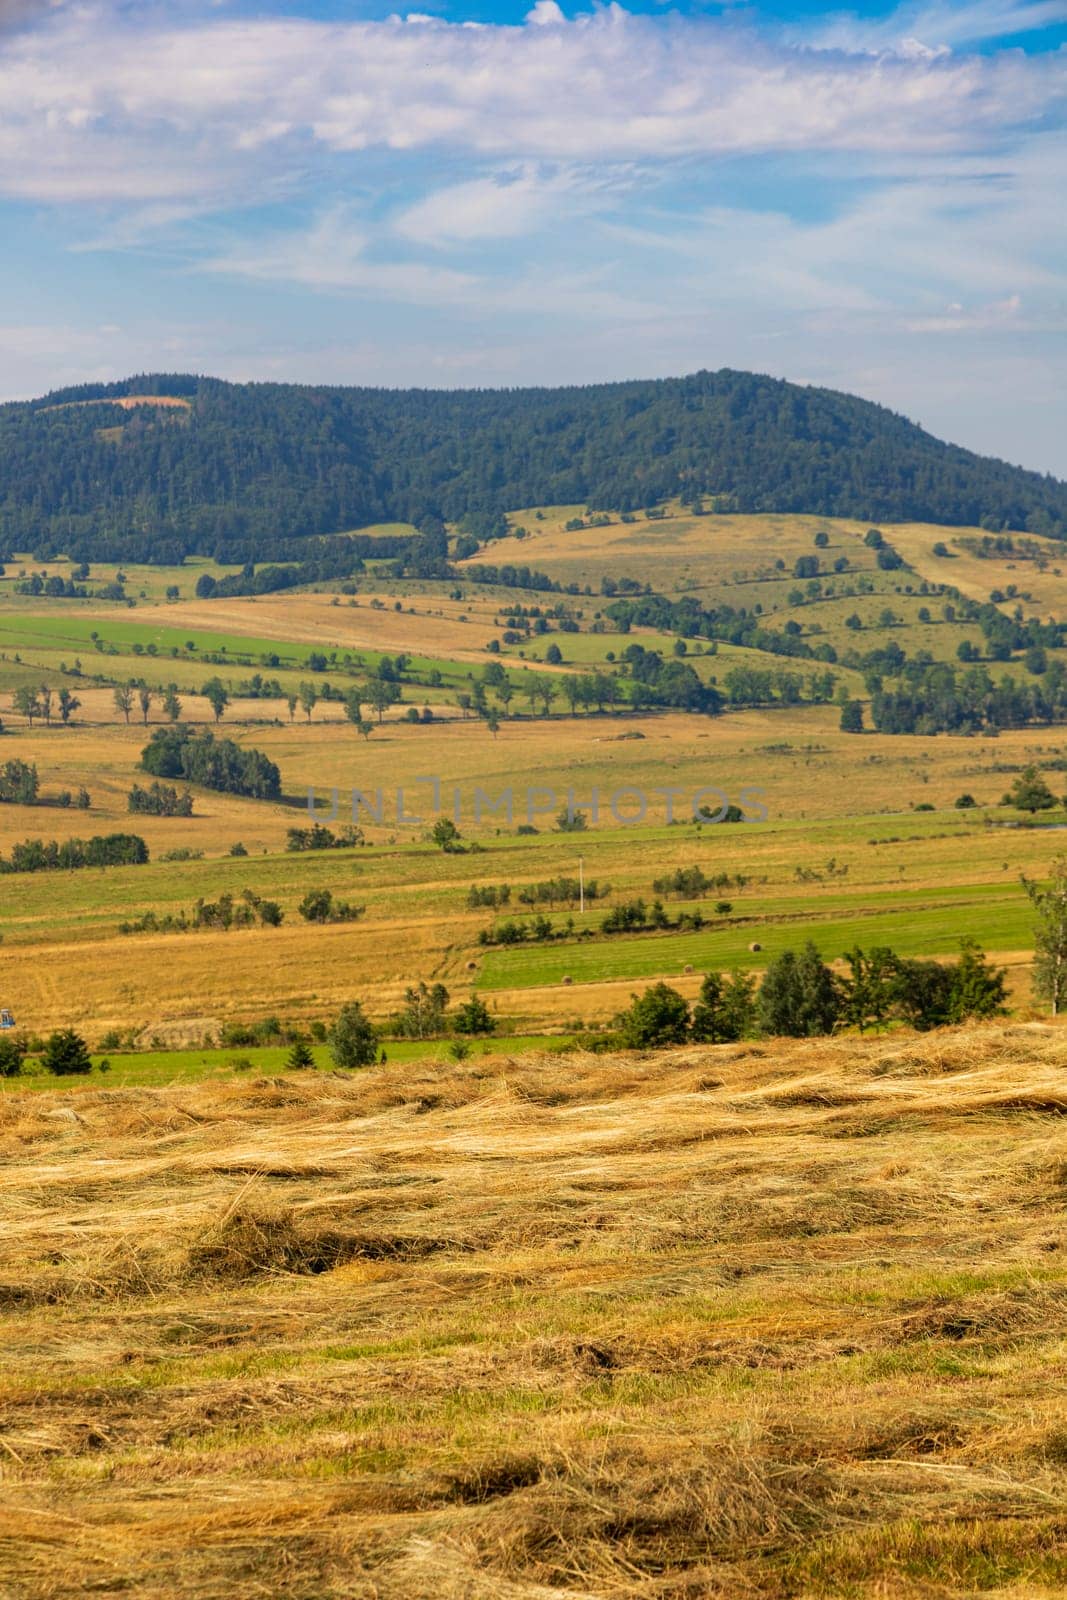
(778, 1321)
(862, 842)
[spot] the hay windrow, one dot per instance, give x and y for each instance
(709, 1323)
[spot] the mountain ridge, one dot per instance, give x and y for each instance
(268, 463)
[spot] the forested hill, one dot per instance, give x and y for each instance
(83, 473)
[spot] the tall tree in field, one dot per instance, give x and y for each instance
(145, 697)
(1050, 936)
(46, 703)
(68, 704)
(26, 703)
(869, 990)
(171, 704)
(291, 702)
(353, 707)
(123, 698)
(381, 696)
(546, 693)
(309, 698)
(214, 692)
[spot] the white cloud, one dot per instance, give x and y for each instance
(924, 30)
(96, 105)
(504, 205)
(332, 255)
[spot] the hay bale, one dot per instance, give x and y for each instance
(755, 945)
(566, 979)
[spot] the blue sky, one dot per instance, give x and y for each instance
(480, 193)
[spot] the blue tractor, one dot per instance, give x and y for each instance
(6, 1019)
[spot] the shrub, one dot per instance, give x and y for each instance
(474, 1017)
(12, 1051)
(658, 1017)
(66, 1053)
(319, 905)
(300, 1057)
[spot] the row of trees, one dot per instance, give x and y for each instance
(801, 996)
(105, 850)
(246, 910)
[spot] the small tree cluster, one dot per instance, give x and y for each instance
(319, 905)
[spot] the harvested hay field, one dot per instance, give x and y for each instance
(760, 1321)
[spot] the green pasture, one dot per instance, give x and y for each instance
(153, 1068)
(999, 918)
(46, 641)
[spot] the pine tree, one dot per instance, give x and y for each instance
(66, 1053)
(799, 996)
(353, 1041)
(300, 1056)
(726, 1008)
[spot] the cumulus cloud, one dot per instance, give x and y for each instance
(92, 100)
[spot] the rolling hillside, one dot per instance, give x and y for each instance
(265, 464)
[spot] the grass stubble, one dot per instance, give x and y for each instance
(764, 1320)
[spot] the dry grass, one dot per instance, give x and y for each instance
(773, 1321)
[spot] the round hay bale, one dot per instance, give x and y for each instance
(472, 966)
(755, 945)
(688, 967)
(566, 979)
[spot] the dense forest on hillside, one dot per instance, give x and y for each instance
(267, 464)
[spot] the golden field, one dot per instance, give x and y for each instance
(862, 841)
(774, 1321)
(830, 798)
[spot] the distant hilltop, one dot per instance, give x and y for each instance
(187, 463)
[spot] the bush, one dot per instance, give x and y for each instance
(1030, 792)
(658, 1017)
(159, 800)
(12, 1051)
(319, 905)
(474, 1017)
(300, 1057)
(66, 1053)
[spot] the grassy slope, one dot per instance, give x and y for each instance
(919, 879)
(773, 1322)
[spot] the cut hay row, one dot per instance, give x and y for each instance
(769, 1320)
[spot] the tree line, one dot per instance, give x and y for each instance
(801, 996)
